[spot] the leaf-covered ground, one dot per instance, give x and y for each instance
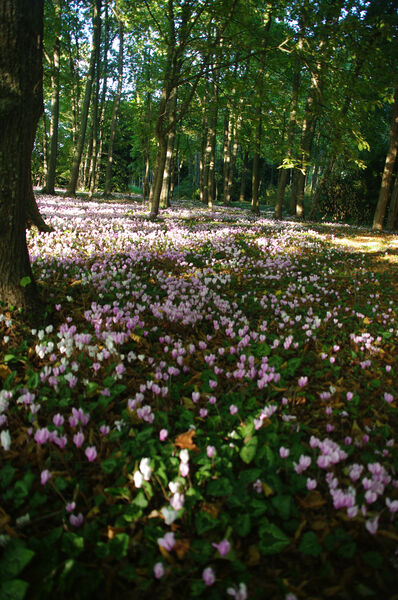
(211, 414)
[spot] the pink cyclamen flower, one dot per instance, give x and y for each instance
(91, 453)
(104, 429)
(211, 451)
(284, 452)
(233, 409)
(311, 484)
(41, 436)
(167, 541)
(45, 476)
(203, 412)
(208, 576)
(258, 486)
(388, 397)
(70, 507)
(392, 505)
(184, 469)
(76, 520)
(177, 501)
(302, 382)
(372, 525)
(78, 439)
(58, 420)
(303, 464)
(158, 570)
(223, 547)
(163, 433)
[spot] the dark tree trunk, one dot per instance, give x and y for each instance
(21, 104)
(290, 136)
(77, 157)
(255, 207)
(392, 222)
(49, 187)
(386, 181)
(243, 178)
(116, 105)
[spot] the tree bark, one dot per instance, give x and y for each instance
(392, 222)
(116, 105)
(165, 191)
(21, 104)
(243, 178)
(77, 156)
(290, 136)
(49, 187)
(227, 152)
(386, 181)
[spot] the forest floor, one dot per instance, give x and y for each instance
(211, 410)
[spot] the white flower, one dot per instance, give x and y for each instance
(184, 456)
(138, 479)
(169, 514)
(5, 440)
(146, 468)
(238, 593)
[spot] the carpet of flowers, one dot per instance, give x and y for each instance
(211, 412)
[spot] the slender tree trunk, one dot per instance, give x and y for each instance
(156, 187)
(45, 147)
(116, 105)
(392, 222)
(71, 189)
(386, 181)
(101, 120)
(95, 134)
(165, 191)
(243, 178)
(49, 187)
(227, 153)
(255, 206)
(211, 186)
(145, 187)
(290, 137)
(21, 35)
(234, 153)
(259, 114)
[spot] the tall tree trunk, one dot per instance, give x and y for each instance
(116, 105)
(290, 137)
(386, 181)
(77, 156)
(255, 206)
(49, 187)
(211, 185)
(95, 133)
(101, 119)
(234, 153)
(258, 133)
(165, 191)
(21, 36)
(45, 147)
(75, 86)
(156, 187)
(145, 187)
(392, 222)
(227, 152)
(243, 178)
